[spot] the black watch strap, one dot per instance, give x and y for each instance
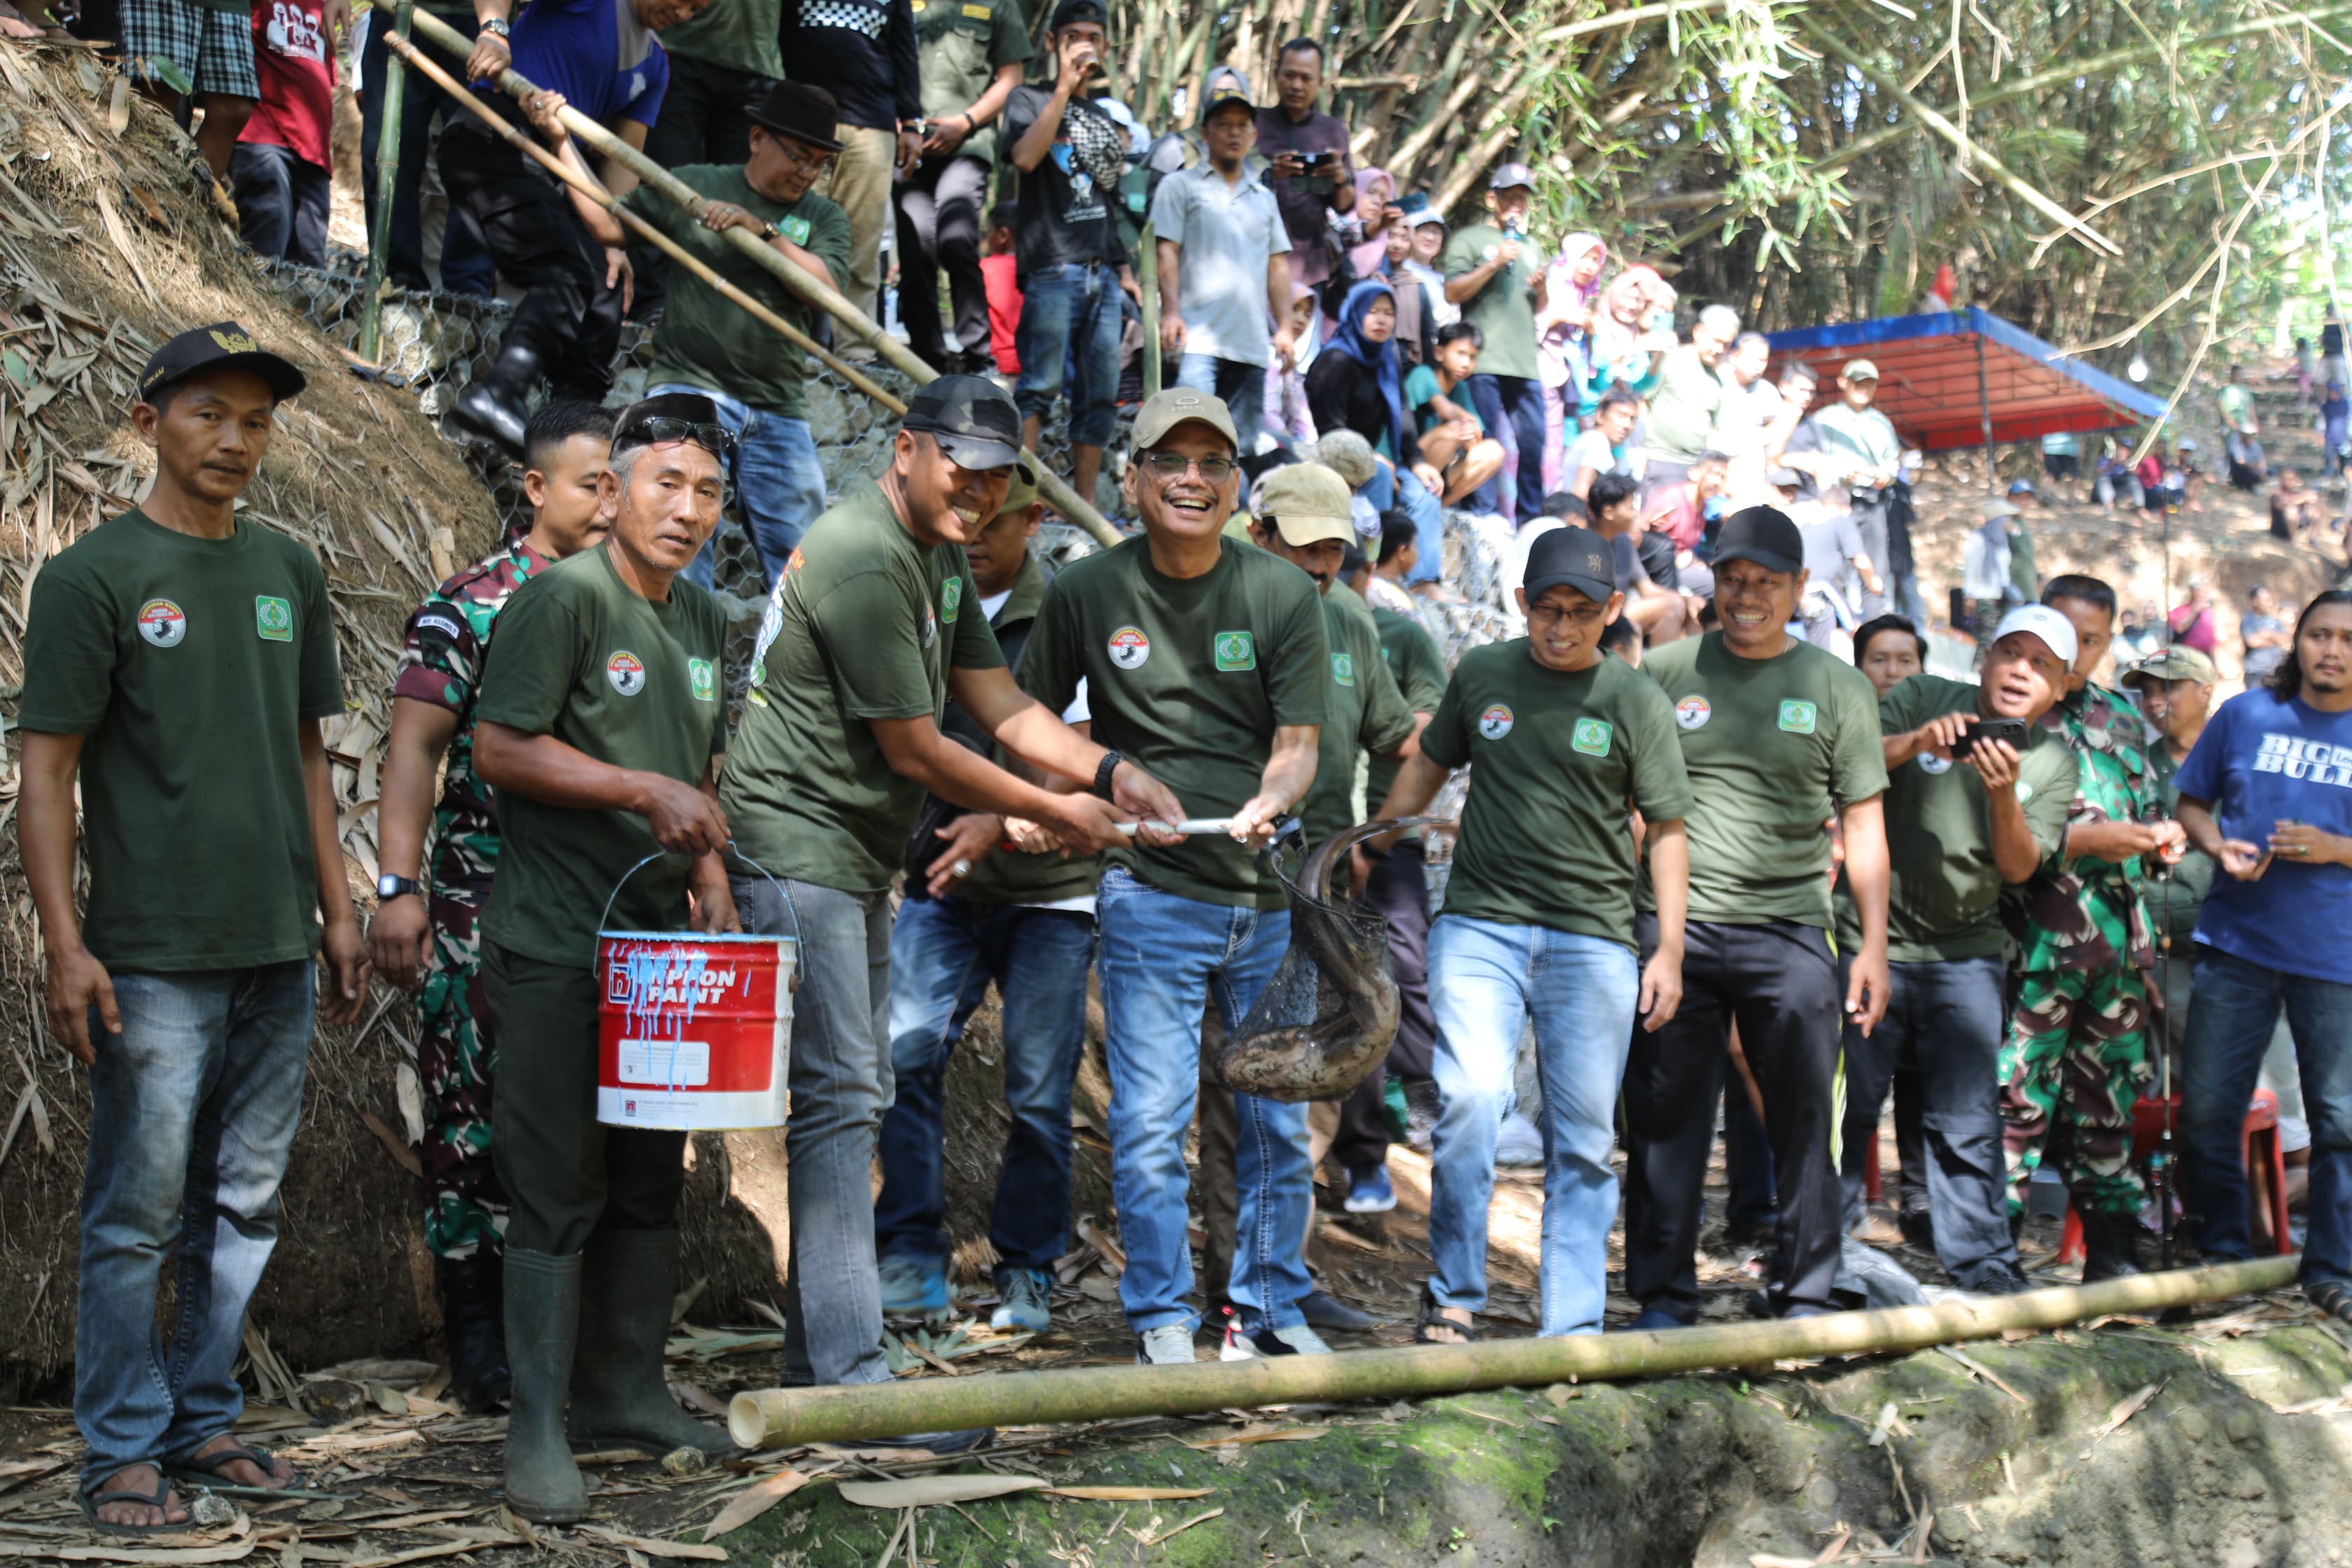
(1103, 770)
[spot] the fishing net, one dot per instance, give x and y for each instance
(1323, 1024)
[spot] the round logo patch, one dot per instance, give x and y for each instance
(163, 623)
(930, 626)
(1129, 648)
(1693, 713)
(1930, 763)
(626, 671)
(1495, 722)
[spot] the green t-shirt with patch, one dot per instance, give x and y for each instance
(1189, 678)
(1559, 759)
(1775, 747)
(1363, 711)
(703, 338)
(190, 667)
(1413, 657)
(1503, 310)
(960, 45)
(1944, 898)
(866, 623)
(582, 656)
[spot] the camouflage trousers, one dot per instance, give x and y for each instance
(2075, 1061)
(466, 1207)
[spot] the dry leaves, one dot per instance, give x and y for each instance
(1262, 1435)
(2128, 1407)
(925, 1491)
(1126, 1494)
(751, 1503)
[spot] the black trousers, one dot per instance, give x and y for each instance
(1778, 982)
(940, 226)
(568, 317)
(281, 203)
(566, 1174)
(464, 265)
(1399, 889)
(706, 118)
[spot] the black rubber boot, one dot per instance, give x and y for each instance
(542, 1313)
(2110, 1250)
(618, 1392)
(496, 405)
(473, 1325)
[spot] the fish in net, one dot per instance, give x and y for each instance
(1324, 1023)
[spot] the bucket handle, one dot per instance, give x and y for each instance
(610, 898)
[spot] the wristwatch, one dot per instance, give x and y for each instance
(391, 886)
(1103, 770)
(495, 25)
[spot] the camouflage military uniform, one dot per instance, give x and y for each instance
(442, 664)
(2077, 1044)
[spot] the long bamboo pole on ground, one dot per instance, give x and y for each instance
(1055, 490)
(387, 180)
(638, 225)
(779, 1417)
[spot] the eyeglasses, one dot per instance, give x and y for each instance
(716, 439)
(815, 160)
(1167, 465)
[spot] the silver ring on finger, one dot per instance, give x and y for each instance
(960, 869)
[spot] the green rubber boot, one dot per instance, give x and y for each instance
(618, 1392)
(542, 1313)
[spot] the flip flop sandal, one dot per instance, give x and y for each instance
(89, 1500)
(206, 1471)
(1434, 1321)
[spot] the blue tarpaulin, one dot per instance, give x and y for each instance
(1929, 383)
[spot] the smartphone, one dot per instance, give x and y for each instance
(1314, 161)
(2009, 730)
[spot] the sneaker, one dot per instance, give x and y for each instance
(913, 1287)
(2001, 1281)
(1248, 1344)
(1325, 1310)
(1369, 1191)
(1023, 1305)
(1519, 1144)
(1656, 1318)
(1171, 1344)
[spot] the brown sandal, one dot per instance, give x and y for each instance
(1434, 1321)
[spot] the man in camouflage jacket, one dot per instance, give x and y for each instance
(423, 939)
(2076, 1053)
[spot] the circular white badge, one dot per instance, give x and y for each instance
(1129, 648)
(1693, 713)
(1495, 722)
(1930, 763)
(163, 623)
(626, 671)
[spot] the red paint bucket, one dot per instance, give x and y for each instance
(693, 1032)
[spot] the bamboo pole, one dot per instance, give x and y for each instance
(638, 225)
(779, 1417)
(1146, 272)
(388, 179)
(812, 290)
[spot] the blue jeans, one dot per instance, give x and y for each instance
(1512, 409)
(2232, 1010)
(193, 1110)
(1241, 387)
(943, 954)
(1163, 958)
(1073, 310)
(1485, 979)
(779, 483)
(1391, 489)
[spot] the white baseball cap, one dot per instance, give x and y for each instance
(2057, 632)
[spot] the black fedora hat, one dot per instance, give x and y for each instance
(803, 112)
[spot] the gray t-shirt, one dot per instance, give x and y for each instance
(1227, 234)
(1830, 545)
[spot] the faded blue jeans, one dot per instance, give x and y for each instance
(943, 954)
(2232, 1011)
(1162, 959)
(1241, 387)
(779, 483)
(1487, 979)
(1070, 311)
(1391, 488)
(192, 1111)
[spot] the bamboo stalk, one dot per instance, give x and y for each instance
(778, 1418)
(638, 225)
(387, 180)
(812, 290)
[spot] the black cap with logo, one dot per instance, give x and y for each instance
(1574, 557)
(972, 417)
(1763, 535)
(224, 345)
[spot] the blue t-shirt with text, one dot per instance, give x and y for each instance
(595, 52)
(2263, 760)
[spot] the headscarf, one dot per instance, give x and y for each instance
(1563, 352)
(1380, 358)
(1367, 257)
(1310, 342)
(1560, 282)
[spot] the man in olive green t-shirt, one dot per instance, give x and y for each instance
(706, 345)
(178, 660)
(1562, 742)
(874, 626)
(1499, 283)
(1205, 658)
(1967, 812)
(970, 54)
(601, 725)
(1778, 736)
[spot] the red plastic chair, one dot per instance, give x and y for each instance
(2264, 1162)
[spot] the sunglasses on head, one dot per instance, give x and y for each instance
(716, 439)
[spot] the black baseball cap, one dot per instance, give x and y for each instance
(672, 417)
(801, 111)
(1070, 11)
(1763, 535)
(222, 345)
(1575, 556)
(972, 417)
